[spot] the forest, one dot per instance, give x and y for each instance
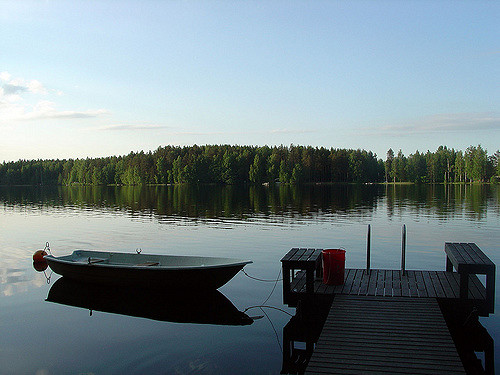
(227, 164)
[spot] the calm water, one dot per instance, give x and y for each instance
(258, 223)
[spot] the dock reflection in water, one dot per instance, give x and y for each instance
(211, 307)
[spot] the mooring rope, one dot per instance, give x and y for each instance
(47, 278)
(267, 307)
(274, 287)
(274, 329)
(264, 306)
(264, 280)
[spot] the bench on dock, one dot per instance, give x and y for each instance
(308, 260)
(468, 259)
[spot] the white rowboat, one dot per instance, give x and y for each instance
(146, 270)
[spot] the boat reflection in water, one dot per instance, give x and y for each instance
(211, 307)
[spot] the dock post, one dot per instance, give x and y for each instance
(368, 246)
(403, 251)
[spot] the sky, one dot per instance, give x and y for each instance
(99, 78)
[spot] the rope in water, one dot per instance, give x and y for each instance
(274, 329)
(264, 280)
(274, 287)
(267, 307)
(274, 281)
(263, 305)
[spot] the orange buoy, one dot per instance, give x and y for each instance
(40, 266)
(38, 256)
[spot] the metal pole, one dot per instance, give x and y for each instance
(368, 245)
(403, 251)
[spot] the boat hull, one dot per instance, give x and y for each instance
(140, 270)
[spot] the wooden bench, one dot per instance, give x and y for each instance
(301, 259)
(468, 259)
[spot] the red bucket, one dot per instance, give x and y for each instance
(333, 266)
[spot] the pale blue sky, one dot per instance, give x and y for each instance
(98, 78)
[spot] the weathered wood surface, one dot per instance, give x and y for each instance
(391, 283)
(301, 256)
(381, 335)
(468, 259)
(308, 260)
(468, 256)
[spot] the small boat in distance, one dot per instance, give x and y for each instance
(169, 272)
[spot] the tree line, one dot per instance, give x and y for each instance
(444, 165)
(226, 164)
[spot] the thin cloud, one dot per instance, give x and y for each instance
(14, 107)
(201, 133)
(291, 131)
(9, 89)
(129, 127)
(47, 110)
(16, 85)
(36, 87)
(65, 114)
(5, 76)
(246, 132)
(42, 110)
(442, 123)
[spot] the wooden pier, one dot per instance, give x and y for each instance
(302, 275)
(390, 321)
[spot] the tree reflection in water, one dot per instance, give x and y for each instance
(240, 202)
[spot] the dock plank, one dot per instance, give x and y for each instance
(412, 283)
(422, 291)
(437, 284)
(388, 283)
(380, 291)
(346, 289)
(372, 283)
(356, 284)
(429, 286)
(445, 283)
(365, 280)
(396, 283)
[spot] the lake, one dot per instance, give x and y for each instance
(260, 223)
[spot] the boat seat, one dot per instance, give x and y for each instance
(96, 260)
(148, 264)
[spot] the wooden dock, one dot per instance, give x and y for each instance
(382, 335)
(390, 321)
(302, 277)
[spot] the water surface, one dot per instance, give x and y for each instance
(255, 222)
